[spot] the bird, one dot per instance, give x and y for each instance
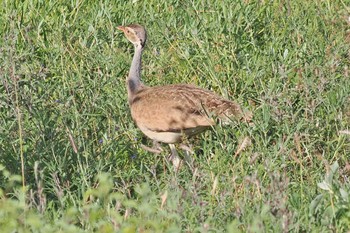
(171, 113)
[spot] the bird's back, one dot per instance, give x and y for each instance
(180, 107)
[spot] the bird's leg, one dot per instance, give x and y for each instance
(152, 150)
(156, 148)
(188, 151)
(174, 157)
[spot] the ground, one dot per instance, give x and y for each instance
(72, 159)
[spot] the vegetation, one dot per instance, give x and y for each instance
(71, 156)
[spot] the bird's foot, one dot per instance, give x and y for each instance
(174, 158)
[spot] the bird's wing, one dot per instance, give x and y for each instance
(179, 107)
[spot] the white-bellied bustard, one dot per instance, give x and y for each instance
(170, 113)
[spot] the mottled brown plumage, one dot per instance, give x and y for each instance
(182, 109)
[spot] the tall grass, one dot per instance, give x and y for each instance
(71, 155)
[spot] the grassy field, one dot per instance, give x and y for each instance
(71, 157)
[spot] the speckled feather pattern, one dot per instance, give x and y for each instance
(180, 107)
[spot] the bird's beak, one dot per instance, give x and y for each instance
(121, 28)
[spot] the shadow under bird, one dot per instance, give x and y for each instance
(171, 112)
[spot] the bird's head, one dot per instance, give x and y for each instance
(135, 33)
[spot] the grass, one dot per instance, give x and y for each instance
(70, 153)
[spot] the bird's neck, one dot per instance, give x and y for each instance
(133, 82)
